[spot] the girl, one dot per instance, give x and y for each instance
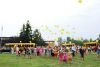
(64, 56)
(17, 51)
(69, 57)
(60, 56)
(28, 52)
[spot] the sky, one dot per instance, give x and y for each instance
(71, 15)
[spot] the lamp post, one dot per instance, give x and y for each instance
(1, 35)
(30, 43)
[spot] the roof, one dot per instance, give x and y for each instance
(68, 44)
(90, 42)
(20, 44)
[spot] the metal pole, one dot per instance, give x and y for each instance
(1, 35)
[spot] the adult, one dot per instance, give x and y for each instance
(73, 50)
(98, 51)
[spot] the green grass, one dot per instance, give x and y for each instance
(8, 60)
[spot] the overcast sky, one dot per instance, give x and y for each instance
(83, 18)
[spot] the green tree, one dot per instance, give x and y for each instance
(78, 42)
(26, 33)
(37, 38)
(86, 40)
(59, 40)
(91, 40)
(98, 38)
(68, 39)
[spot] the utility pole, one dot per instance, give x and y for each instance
(1, 34)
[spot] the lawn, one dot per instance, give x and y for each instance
(9, 60)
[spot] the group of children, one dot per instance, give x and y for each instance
(58, 51)
(64, 54)
(64, 57)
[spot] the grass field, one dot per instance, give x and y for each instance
(8, 60)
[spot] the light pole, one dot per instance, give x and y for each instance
(1, 35)
(30, 43)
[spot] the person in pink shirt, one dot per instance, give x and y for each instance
(64, 56)
(17, 50)
(60, 56)
(41, 51)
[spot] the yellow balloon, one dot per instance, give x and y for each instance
(57, 26)
(62, 31)
(56, 39)
(67, 32)
(80, 1)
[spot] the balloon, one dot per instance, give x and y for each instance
(62, 31)
(67, 32)
(80, 1)
(53, 33)
(56, 39)
(57, 26)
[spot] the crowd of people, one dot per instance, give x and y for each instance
(63, 53)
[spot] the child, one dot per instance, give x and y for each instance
(28, 52)
(60, 56)
(64, 57)
(17, 51)
(69, 57)
(82, 51)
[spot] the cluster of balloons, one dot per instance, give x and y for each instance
(55, 30)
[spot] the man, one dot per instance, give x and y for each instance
(98, 51)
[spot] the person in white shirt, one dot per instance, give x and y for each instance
(73, 50)
(17, 50)
(12, 50)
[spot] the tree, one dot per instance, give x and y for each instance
(86, 40)
(91, 40)
(37, 38)
(78, 42)
(26, 33)
(68, 39)
(98, 38)
(59, 40)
